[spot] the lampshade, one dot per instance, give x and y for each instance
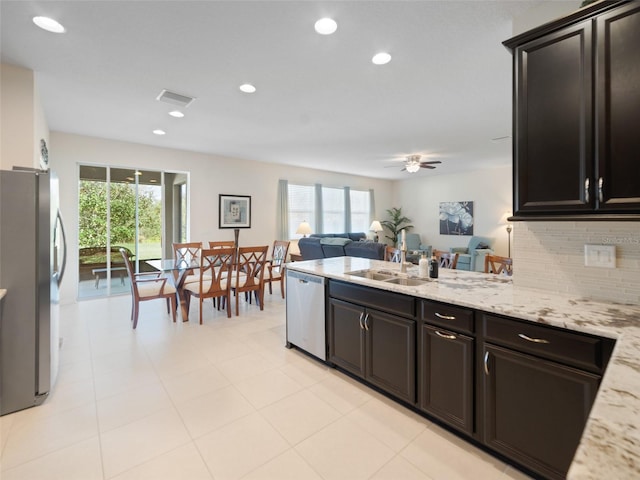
(304, 229)
(375, 226)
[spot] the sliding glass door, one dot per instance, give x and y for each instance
(130, 209)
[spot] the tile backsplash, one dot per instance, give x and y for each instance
(550, 256)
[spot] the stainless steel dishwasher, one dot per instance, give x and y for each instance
(305, 313)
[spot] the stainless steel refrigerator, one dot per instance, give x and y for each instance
(32, 258)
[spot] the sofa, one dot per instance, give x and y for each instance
(327, 245)
(472, 256)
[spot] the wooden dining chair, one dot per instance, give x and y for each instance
(275, 266)
(392, 254)
(222, 244)
(148, 286)
(248, 274)
(446, 259)
(216, 265)
(189, 253)
(497, 264)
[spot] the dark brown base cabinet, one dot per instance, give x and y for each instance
(535, 410)
(446, 376)
(537, 386)
(522, 389)
(376, 346)
(446, 348)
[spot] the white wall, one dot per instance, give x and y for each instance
(490, 191)
(22, 119)
(210, 175)
(544, 12)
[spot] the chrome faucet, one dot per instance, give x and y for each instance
(403, 260)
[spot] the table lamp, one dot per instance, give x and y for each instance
(304, 229)
(375, 227)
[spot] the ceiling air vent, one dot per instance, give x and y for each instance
(175, 98)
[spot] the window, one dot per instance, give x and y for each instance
(128, 208)
(333, 211)
(332, 218)
(301, 207)
(360, 210)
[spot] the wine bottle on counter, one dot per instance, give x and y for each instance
(433, 267)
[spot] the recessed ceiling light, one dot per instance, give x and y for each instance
(176, 113)
(159, 132)
(326, 26)
(247, 88)
(381, 58)
(48, 24)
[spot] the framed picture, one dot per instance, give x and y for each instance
(456, 218)
(234, 211)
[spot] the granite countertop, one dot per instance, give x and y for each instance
(610, 444)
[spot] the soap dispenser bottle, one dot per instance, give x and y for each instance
(423, 266)
(433, 267)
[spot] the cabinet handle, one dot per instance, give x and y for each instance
(366, 322)
(486, 363)
(446, 335)
(360, 320)
(600, 196)
(533, 340)
(586, 189)
(445, 317)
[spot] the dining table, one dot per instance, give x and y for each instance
(179, 270)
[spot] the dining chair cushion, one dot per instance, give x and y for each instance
(153, 288)
(195, 278)
(206, 285)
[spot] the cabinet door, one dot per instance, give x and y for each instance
(346, 336)
(618, 104)
(391, 354)
(535, 410)
(553, 146)
(445, 379)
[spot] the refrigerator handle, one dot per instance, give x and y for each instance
(59, 274)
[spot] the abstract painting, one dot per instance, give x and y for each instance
(456, 218)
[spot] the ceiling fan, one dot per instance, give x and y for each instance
(412, 163)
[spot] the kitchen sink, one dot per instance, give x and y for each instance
(388, 277)
(407, 281)
(371, 275)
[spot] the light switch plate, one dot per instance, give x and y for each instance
(600, 256)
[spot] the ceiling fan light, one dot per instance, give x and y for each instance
(413, 167)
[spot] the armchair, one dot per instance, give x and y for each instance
(415, 247)
(472, 257)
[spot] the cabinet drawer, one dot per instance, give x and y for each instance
(459, 319)
(575, 349)
(372, 297)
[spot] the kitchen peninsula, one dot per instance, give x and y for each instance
(610, 443)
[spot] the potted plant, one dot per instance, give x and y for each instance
(396, 224)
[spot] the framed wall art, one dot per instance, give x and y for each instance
(456, 218)
(234, 211)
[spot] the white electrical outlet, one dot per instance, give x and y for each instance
(600, 256)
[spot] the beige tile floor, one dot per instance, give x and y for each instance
(223, 401)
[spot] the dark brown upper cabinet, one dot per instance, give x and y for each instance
(576, 108)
